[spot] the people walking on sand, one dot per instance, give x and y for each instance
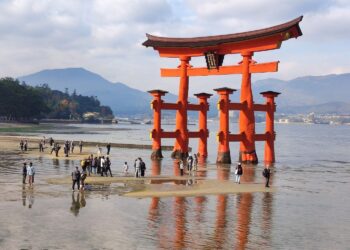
(31, 165)
(99, 165)
(57, 149)
(91, 159)
(126, 168)
(76, 178)
(24, 172)
(238, 172)
(108, 148)
(99, 150)
(53, 146)
(82, 178)
(66, 148)
(51, 141)
(80, 146)
(142, 167)
(137, 166)
(189, 162)
(266, 173)
(95, 164)
(41, 146)
(181, 166)
(108, 167)
(103, 165)
(21, 145)
(72, 147)
(25, 145)
(30, 173)
(195, 162)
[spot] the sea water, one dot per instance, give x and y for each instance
(309, 210)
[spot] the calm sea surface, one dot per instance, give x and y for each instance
(309, 210)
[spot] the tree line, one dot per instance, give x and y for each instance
(19, 101)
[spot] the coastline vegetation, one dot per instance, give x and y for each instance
(21, 102)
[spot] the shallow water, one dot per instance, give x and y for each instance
(308, 211)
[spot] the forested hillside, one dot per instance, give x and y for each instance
(19, 101)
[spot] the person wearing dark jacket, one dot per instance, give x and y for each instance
(24, 172)
(238, 173)
(108, 148)
(266, 173)
(142, 167)
(76, 178)
(108, 166)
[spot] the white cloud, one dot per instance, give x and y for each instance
(105, 36)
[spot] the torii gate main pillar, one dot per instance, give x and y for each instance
(181, 142)
(247, 153)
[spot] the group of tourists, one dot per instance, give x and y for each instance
(191, 162)
(68, 146)
(97, 165)
(139, 166)
(28, 170)
(239, 172)
(100, 165)
(23, 144)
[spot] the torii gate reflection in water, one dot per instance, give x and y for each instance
(214, 48)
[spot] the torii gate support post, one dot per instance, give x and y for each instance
(269, 131)
(181, 142)
(224, 155)
(202, 120)
(247, 152)
(156, 105)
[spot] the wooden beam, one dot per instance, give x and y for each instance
(260, 137)
(168, 134)
(236, 106)
(260, 107)
(196, 107)
(194, 134)
(223, 70)
(235, 137)
(169, 106)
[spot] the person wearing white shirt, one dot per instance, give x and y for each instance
(31, 173)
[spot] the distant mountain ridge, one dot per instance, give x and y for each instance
(327, 94)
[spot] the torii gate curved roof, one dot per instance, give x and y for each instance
(291, 27)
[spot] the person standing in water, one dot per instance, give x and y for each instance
(181, 166)
(76, 178)
(126, 168)
(266, 173)
(30, 173)
(239, 173)
(24, 172)
(81, 146)
(108, 148)
(195, 162)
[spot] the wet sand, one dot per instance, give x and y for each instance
(156, 186)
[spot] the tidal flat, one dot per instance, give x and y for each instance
(306, 208)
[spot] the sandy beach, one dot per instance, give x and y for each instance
(155, 186)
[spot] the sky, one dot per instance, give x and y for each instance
(105, 37)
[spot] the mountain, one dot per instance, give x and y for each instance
(322, 93)
(122, 99)
(326, 94)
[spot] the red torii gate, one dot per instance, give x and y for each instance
(214, 48)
